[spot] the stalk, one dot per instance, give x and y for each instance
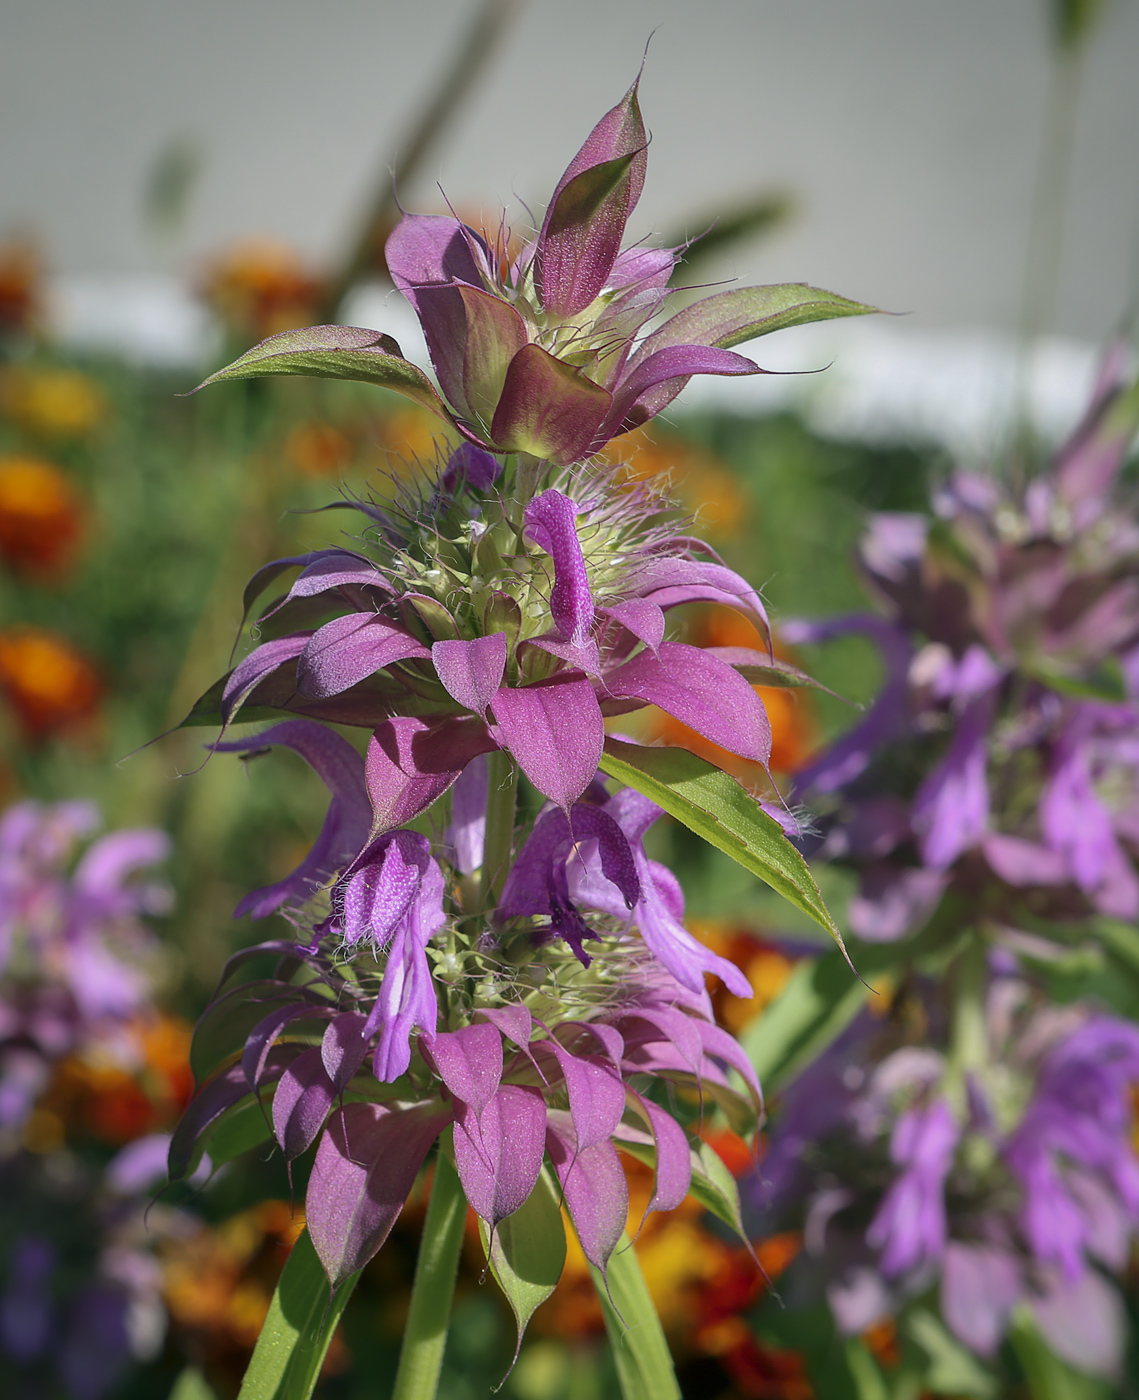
(425, 1337)
(969, 1038)
(502, 790)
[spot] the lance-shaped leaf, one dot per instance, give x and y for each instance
(596, 1094)
(555, 731)
(261, 1039)
(527, 1252)
(259, 664)
(716, 807)
(700, 691)
(367, 1162)
(653, 383)
(761, 669)
(498, 1152)
(730, 318)
(548, 408)
(593, 1182)
(295, 1336)
(672, 1159)
(336, 352)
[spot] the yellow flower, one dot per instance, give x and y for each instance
(58, 404)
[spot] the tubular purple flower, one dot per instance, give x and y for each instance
(910, 1226)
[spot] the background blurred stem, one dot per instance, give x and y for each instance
(489, 26)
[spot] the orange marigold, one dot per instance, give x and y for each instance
(47, 682)
(58, 404)
(40, 516)
(260, 287)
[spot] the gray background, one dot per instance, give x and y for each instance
(909, 129)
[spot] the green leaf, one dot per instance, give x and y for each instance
(302, 1318)
(730, 318)
(951, 1368)
(336, 352)
(528, 1252)
(644, 1362)
(1106, 683)
(239, 1129)
(818, 1002)
(715, 1187)
(1047, 1376)
(716, 807)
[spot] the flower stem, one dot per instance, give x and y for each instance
(501, 792)
(969, 1036)
(425, 1337)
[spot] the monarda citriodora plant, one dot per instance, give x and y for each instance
(522, 991)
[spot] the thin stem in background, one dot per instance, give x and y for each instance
(490, 25)
(501, 796)
(425, 1337)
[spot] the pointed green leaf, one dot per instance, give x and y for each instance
(528, 1252)
(716, 807)
(715, 1187)
(192, 1385)
(294, 1340)
(336, 352)
(729, 318)
(951, 1369)
(644, 1362)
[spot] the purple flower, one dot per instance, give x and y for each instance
(910, 1226)
(540, 354)
(572, 630)
(83, 950)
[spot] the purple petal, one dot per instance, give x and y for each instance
(669, 583)
(551, 522)
(596, 1192)
(721, 1046)
(426, 250)
(380, 890)
(1089, 462)
(910, 1225)
(346, 825)
(301, 1103)
(367, 1162)
(980, 1286)
(581, 234)
(348, 650)
(1023, 863)
(951, 808)
(260, 663)
(467, 832)
(26, 1303)
(105, 866)
(343, 1048)
(499, 1151)
(324, 570)
(471, 671)
(548, 409)
(701, 692)
(469, 1062)
(555, 732)
(472, 467)
(893, 901)
(410, 763)
(139, 1166)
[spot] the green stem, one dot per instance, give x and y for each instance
(969, 1037)
(640, 1350)
(425, 1336)
(501, 792)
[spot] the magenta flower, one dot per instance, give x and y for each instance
(540, 354)
(567, 627)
